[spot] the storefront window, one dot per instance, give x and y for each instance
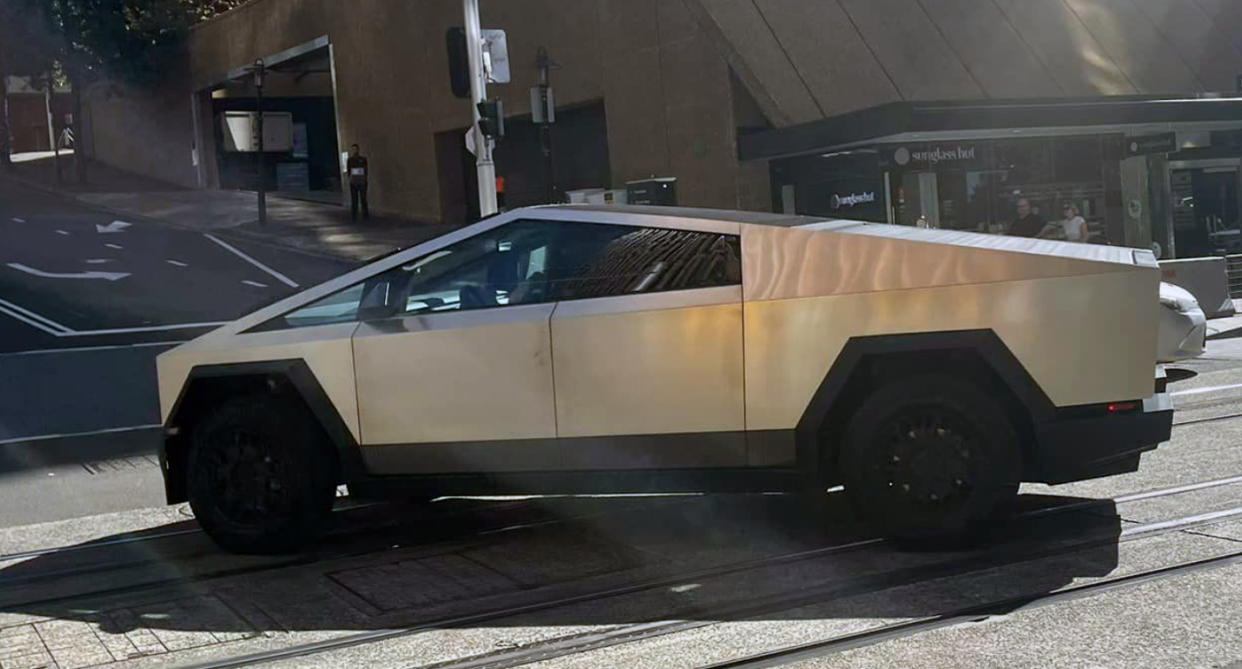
(961, 185)
(847, 184)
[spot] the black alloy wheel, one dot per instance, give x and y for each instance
(930, 457)
(260, 477)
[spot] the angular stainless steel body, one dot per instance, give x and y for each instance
(724, 361)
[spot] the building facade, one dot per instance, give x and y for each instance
(28, 115)
(936, 112)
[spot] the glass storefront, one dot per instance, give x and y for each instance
(962, 185)
(846, 184)
(1204, 209)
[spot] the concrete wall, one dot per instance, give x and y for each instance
(150, 134)
(665, 87)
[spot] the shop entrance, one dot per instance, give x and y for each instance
(1205, 211)
(922, 199)
(299, 104)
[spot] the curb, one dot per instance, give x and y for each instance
(223, 232)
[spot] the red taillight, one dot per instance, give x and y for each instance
(1117, 407)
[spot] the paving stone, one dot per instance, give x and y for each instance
(19, 641)
(118, 646)
(186, 623)
(39, 660)
(126, 623)
(73, 643)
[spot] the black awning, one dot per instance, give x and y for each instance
(895, 118)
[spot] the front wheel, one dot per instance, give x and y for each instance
(261, 478)
(930, 456)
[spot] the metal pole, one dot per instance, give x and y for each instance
(478, 93)
(258, 85)
(51, 124)
(545, 131)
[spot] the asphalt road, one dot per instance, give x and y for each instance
(86, 303)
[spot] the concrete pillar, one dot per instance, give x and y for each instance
(204, 138)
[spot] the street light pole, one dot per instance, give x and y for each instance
(544, 64)
(258, 87)
(478, 93)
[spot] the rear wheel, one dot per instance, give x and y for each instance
(930, 456)
(261, 477)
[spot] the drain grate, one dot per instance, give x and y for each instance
(121, 464)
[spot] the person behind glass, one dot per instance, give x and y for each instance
(356, 166)
(1028, 223)
(1073, 226)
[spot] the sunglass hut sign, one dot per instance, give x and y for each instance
(929, 156)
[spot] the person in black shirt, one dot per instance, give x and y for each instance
(1028, 223)
(356, 167)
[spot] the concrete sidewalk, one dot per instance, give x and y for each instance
(310, 226)
(1227, 327)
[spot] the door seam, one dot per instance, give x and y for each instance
(556, 418)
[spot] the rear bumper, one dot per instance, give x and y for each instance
(1080, 444)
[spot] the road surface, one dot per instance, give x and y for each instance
(86, 303)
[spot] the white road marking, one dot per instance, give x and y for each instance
(110, 430)
(256, 284)
(98, 261)
(87, 349)
(1210, 389)
(106, 276)
(56, 329)
(26, 313)
(30, 322)
(177, 263)
(114, 226)
(61, 232)
(114, 246)
(148, 328)
(18, 220)
(281, 277)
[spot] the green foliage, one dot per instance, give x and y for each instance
(133, 41)
(26, 47)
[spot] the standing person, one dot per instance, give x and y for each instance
(356, 167)
(1028, 223)
(1073, 225)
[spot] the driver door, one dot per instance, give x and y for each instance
(453, 360)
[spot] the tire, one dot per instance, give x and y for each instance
(261, 477)
(930, 457)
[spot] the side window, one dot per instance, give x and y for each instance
(529, 262)
(649, 260)
(503, 266)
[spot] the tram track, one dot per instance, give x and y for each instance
(567, 646)
(974, 614)
(1209, 419)
(393, 534)
(575, 644)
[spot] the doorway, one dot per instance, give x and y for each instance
(579, 140)
(1205, 212)
(919, 199)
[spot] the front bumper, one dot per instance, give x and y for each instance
(1182, 335)
(1090, 442)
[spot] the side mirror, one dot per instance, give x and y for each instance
(377, 300)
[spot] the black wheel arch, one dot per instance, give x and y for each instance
(208, 385)
(867, 362)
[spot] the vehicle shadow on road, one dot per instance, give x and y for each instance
(685, 558)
